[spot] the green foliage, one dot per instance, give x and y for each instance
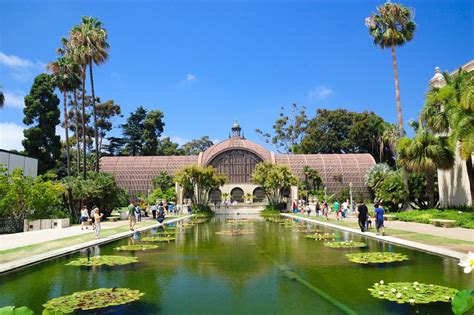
(202, 210)
(158, 195)
(106, 260)
(13, 310)
(166, 147)
(349, 244)
(288, 130)
(343, 131)
(270, 211)
(24, 197)
(463, 302)
(199, 178)
(273, 179)
(152, 129)
(136, 247)
(164, 181)
(463, 219)
(99, 189)
(413, 293)
(193, 147)
(166, 238)
(392, 192)
(42, 115)
(94, 299)
(133, 130)
(375, 175)
(376, 257)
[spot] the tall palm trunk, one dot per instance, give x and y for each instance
(430, 189)
(406, 203)
(68, 151)
(83, 122)
(470, 176)
(96, 134)
(78, 142)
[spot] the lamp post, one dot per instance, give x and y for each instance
(350, 195)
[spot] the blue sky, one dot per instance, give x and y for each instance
(207, 63)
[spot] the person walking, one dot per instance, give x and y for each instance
(84, 217)
(97, 218)
(92, 218)
(325, 209)
(345, 209)
(138, 213)
(378, 215)
(131, 215)
(317, 208)
(154, 209)
(190, 209)
(308, 209)
(294, 206)
(362, 215)
(337, 208)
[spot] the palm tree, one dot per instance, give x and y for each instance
(65, 77)
(426, 153)
(450, 111)
(392, 26)
(92, 38)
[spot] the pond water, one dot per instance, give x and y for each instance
(275, 270)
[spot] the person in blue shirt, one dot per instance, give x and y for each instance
(379, 212)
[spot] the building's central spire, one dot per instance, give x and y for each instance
(236, 130)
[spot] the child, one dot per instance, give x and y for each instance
(378, 215)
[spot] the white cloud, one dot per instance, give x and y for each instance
(13, 61)
(11, 135)
(179, 140)
(14, 100)
(191, 77)
(320, 92)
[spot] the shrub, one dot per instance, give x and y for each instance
(203, 210)
(463, 219)
(158, 194)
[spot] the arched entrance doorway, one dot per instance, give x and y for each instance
(215, 195)
(237, 194)
(259, 194)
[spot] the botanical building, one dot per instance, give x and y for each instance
(237, 157)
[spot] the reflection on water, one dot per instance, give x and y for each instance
(256, 266)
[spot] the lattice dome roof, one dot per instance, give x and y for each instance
(235, 143)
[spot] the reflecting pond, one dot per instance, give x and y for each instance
(270, 269)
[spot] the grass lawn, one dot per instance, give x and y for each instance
(453, 244)
(36, 249)
(463, 219)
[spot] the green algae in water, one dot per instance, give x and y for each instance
(376, 257)
(158, 238)
(107, 260)
(412, 292)
(324, 236)
(349, 244)
(136, 247)
(93, 299)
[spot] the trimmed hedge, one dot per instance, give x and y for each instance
(463, 219)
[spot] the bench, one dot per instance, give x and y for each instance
(443, 223)
(389, 217)
(113, 218)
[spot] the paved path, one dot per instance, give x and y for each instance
(9, 241)
(454, 233)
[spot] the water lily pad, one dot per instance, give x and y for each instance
(135, 247)
(158, 238)
(376, 257)
(13, 310)
(94, 299)
(103, 260)
(412, 292)
(322, 236)
(349, 244)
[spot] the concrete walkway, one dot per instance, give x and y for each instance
(390, 239)
(9, 241)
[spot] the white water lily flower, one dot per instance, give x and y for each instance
(417, 289)
(411, 301)
(431, 285)
(381, 282)
(447, 297)
(381, 293)
(376, 284)
(415, 283)
(467, 263)
(393, 290)
(399, 295)
(405, 288)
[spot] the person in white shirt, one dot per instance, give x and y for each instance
(345, 208)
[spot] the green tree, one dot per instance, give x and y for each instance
(375, 176)
(166, 147)
(288, 130)
(392, 192)
(197, 181)
(312, 180)
(273, 179)
(106, 112)
(194, 147)
(425, 153)
(66, 78)
(42, 115)
(132, 131)
(159, 194)
(114, 146)
(91, 38)
(164, 181)
(450, 111)
(152, 129)
(392, 26)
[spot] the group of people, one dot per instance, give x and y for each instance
(365, 220)
(94, 218)
(323, 208)
(158, 211)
